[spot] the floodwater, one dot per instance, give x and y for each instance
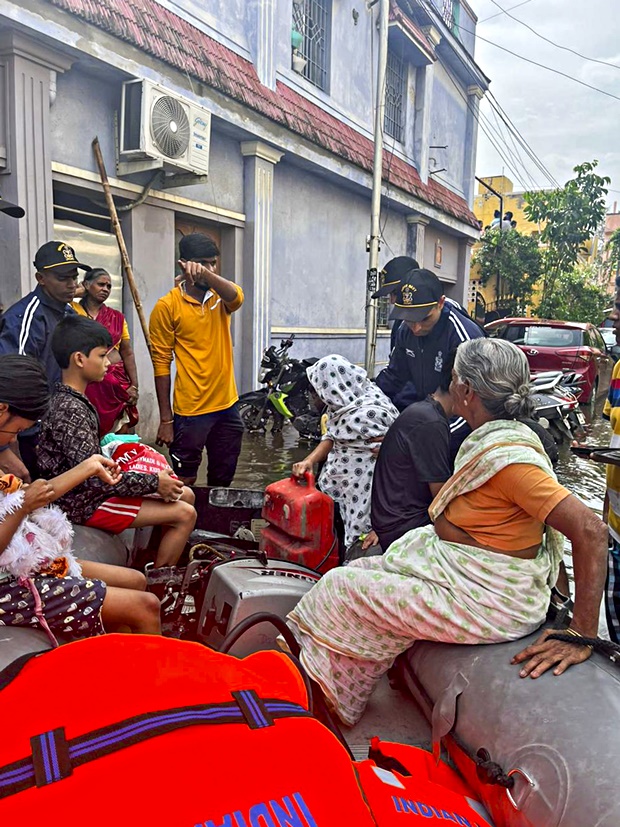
(269, 457)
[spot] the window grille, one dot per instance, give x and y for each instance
(395, 87)
(383, 311)
(450, 14)
(312, 18)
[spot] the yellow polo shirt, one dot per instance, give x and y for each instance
(197, 335)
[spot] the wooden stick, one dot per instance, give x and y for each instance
(116, 226)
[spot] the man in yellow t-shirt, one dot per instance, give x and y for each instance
(611, 411)
(192, 324)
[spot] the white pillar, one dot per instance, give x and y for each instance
(416, 233)
(26, 70)
(260, 160)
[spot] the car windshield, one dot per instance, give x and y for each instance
(542, 336)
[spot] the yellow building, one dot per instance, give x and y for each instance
(485, 300)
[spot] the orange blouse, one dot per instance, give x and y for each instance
(508, 512)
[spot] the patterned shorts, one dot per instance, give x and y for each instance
(71, 605)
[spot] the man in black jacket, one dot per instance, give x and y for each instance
(432, 328)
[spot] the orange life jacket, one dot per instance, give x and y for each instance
(141, 731)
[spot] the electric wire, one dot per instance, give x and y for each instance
(497, 14)
(425, 5)
(553, 42)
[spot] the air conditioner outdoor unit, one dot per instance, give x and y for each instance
(162, 130)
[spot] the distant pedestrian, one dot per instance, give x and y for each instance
(27, 328)
(192, 324)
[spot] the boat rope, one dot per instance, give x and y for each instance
(487, 770)
(606, 647)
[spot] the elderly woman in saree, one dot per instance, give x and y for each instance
(359, 413)
(482, 573)
(116, 397)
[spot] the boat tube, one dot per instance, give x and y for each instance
(538, 753)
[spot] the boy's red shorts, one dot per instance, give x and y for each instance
(116, 514)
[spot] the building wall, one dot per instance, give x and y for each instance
(313, 223)
(448, 128)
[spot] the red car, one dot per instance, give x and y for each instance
(565, 346)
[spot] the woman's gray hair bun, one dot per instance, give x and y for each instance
(499, 374)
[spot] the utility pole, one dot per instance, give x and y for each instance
(375, 214)
(498, 289)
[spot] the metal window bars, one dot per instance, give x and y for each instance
(311, 18)
(395, 88)
(383, 311)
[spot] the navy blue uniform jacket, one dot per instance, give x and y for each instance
(417, 361)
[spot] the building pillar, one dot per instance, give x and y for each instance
(474, 96)
(460, 291)
(28, 71)
(260, 160)
(261, 38)
(149, 236)
(416, 232)
(422, 119)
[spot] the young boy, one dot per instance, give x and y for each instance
(70, 434)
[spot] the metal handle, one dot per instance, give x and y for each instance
(529, 789)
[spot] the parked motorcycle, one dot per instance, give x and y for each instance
(556, 403)
(284, 397)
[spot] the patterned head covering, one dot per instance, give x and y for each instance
(357, 407)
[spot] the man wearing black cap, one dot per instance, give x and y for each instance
(392, 276)
(432, 329)
(27, 326)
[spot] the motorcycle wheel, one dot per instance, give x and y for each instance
(253, 417)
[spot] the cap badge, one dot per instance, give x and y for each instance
(67, 252)
(408, 290)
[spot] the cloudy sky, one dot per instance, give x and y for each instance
(564, 123)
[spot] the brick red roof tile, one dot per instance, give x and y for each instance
(161, 33)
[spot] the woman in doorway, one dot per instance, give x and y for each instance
(117, 396)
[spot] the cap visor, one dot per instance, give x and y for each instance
(411, 314)
(11, 209)
(384, 291)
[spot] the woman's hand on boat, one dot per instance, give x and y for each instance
(545, 654)
(37, 494)
(302, 467)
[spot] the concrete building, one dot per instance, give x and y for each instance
(288, 88)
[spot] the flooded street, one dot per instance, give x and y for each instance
(268, 457)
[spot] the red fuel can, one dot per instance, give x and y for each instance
(301, 524)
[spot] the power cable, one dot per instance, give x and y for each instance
(540, 65)
(424, 4)
(523, 3)
(552, 42)
(534, 184)
(493, 102)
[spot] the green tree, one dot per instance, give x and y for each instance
(570, 216)
(612, 264)
(579, 296)
(515, 261)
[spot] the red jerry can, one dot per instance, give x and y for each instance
(301, 524)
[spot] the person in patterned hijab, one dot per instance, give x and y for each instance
(358, 415)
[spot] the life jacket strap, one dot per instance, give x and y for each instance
(55, 757)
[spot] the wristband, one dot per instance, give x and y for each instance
(168, 422)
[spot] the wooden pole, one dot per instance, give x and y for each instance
(116, 226)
